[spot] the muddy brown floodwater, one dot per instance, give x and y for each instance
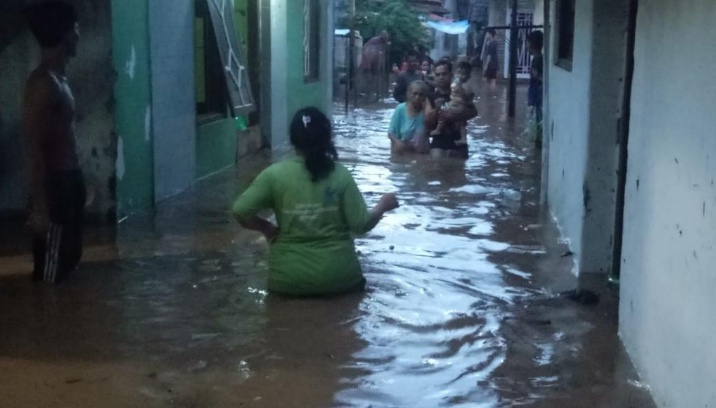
(170, 309)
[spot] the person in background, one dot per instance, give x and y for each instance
(445, 143)
(534, 92)
(464, 74)
(56, 184)
(407, 126)
(318, 207)
(490, 62)
(374, 51)
(461, 95)
(427, 69)
(412, 73)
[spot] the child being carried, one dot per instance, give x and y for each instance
(461, 95)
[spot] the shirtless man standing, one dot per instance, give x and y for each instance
(56, 184)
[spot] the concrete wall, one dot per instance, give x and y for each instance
(539, 12)
(600, 182)
(668, 275)
(18, 57)
(277, 115)
(135, 169)
(569, 104)
(289, 91)
(584, 116)
(171, 38)
(91, 76)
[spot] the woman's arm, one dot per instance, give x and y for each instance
(387, 203)
(358, 218)
(261, 225)
(256, 198)
(394, 138)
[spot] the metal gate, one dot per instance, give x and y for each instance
(525, 20)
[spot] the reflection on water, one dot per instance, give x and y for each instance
(174, 312)
(431, 320)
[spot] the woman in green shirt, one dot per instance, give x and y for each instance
(318, 207)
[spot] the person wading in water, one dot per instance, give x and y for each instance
(57, 189)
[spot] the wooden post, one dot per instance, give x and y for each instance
(514, 43)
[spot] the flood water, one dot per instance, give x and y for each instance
(460, 310)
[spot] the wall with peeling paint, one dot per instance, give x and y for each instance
(91, 76)
(668, 266)
(130, 32)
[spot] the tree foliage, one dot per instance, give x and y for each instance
(399, 18)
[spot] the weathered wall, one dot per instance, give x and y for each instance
(584, 114)
(18, 57)
(600, 182)
(91, 76)
(569, 104)
(668, 274)
(289, 91)
(130, 30)
(173, 113)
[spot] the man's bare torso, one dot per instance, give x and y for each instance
(55, 120)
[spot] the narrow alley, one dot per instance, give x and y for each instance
(461, 310)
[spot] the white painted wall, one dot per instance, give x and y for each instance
(569, 104)
(668, 268)
(584, 113)
(539, 13)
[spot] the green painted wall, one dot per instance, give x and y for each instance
(302, 94)
(241, 15)
(130, 42)
(215, 146)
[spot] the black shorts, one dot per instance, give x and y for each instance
(58, 251)
(449, 147)
(491, 73)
